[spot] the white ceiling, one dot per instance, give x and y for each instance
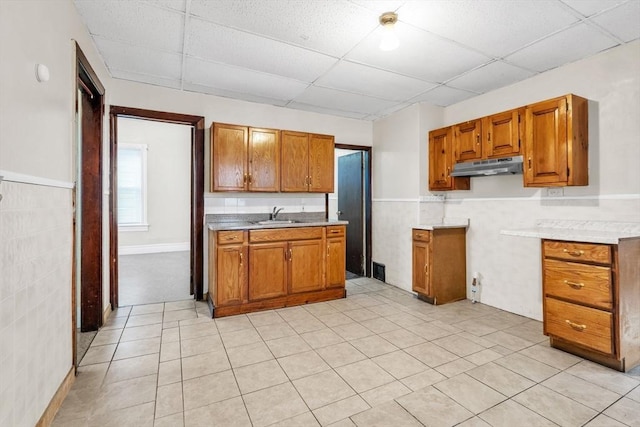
(323, 56)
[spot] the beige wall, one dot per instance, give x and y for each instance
(168, 180)
(37, 138)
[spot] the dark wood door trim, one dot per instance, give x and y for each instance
(197, 190)
(367, 199)
(90, 192)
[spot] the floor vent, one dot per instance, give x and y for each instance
(378, 271)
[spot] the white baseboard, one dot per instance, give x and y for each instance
(153, 249)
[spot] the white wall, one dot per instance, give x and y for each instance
(510, 266)
(168, 180)
(37, 138)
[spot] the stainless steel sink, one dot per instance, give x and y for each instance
(276, 221)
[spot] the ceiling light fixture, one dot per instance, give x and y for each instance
(389, 39)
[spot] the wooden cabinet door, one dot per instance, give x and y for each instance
(230, 276)
(295, 161)
(321, 163)
(441, 162)
(503, 133)
(420, 282)
(229, 157)
(467, 140)
(336, 262)
(267, 270)
(306, 261)
(545, 161)
(264, 160)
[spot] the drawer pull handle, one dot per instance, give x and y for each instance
(335, 231)
(573, 253)
(576, 326)
(426, 269)
(230, 238)
(240, 259)
(418, 235)
(574, 285)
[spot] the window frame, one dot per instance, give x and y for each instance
(144, 224)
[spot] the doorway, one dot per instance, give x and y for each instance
(196, 193)
(154, 204)
(353, 203)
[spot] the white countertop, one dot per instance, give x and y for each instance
(607, 232)
(246, 225)
(443, 223)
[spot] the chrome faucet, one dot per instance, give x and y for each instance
(275, 212)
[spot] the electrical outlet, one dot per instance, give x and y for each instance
(555, 192)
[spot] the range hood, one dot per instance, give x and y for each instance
(504, 166)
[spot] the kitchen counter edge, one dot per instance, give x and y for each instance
(243, 225)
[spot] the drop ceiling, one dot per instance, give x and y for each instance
(323, 55)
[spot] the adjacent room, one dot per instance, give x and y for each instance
(319, 213)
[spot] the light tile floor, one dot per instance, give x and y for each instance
(379, 357)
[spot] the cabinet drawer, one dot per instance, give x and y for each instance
(285, 234)
(578, 252)
(589, 327)
(335, 230)
(589, 284)
(226, 237)
(421, 235)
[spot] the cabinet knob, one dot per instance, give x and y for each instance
(338, 213)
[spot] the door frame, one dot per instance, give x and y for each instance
(197, 192)
(366, 151)
(90, 254)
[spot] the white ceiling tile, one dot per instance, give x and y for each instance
(623, 21)
(134, 22)
(387, 111)
(321, 110)
(241, 80)
(344, 101)
(191, 87)
(591, 7)
(420, 55)
(379, 6)
(495, 27)
(329, 26)
(366, 80)
(564, 47)
(222, 44)
(139, 60)
(444, 96)
(178, 5)
(491, 76)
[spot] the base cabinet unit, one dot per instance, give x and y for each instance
(261, 269)
(228, 251)
(592, 300)
(439, 264)
(336, 256)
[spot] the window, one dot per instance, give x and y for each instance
(132, 187)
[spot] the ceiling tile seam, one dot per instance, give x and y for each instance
(238, 67)
(115, 69)
(166, 8)
(143, 82)
(242, 30)
(128, 43)
(375, 67)
(186, 28)
(333, 109)
(589, 19)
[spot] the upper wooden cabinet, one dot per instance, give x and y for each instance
(307, 162)
(441, 162)
(503, 133)
(467, 139)
(556, 143)
(244, 158)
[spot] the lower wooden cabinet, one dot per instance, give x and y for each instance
(592, 300)
(439, 264)
(336, 256)
(269, 268)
